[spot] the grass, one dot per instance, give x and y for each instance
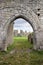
(36, 58)
(21, 56)
(20, 43)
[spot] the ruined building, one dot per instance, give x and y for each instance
(30, 10)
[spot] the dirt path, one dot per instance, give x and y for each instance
(21, 51)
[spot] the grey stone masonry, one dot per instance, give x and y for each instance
(30, 10)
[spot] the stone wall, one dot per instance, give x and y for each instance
(30, 10)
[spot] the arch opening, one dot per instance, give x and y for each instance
(24, 18)
(20, 32)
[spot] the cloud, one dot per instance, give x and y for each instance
(22, 24)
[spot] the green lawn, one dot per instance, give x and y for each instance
(23, 55)
(20, 43)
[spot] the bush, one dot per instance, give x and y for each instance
(30, 38)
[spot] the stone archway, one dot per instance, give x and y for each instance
(24, 12)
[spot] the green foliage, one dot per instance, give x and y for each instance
(21, 56)
(36, 58)
(20, 43)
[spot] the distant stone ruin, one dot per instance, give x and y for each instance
(22, 33)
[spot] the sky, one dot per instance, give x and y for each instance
(21, 24)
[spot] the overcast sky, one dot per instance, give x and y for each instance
(21, 24)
